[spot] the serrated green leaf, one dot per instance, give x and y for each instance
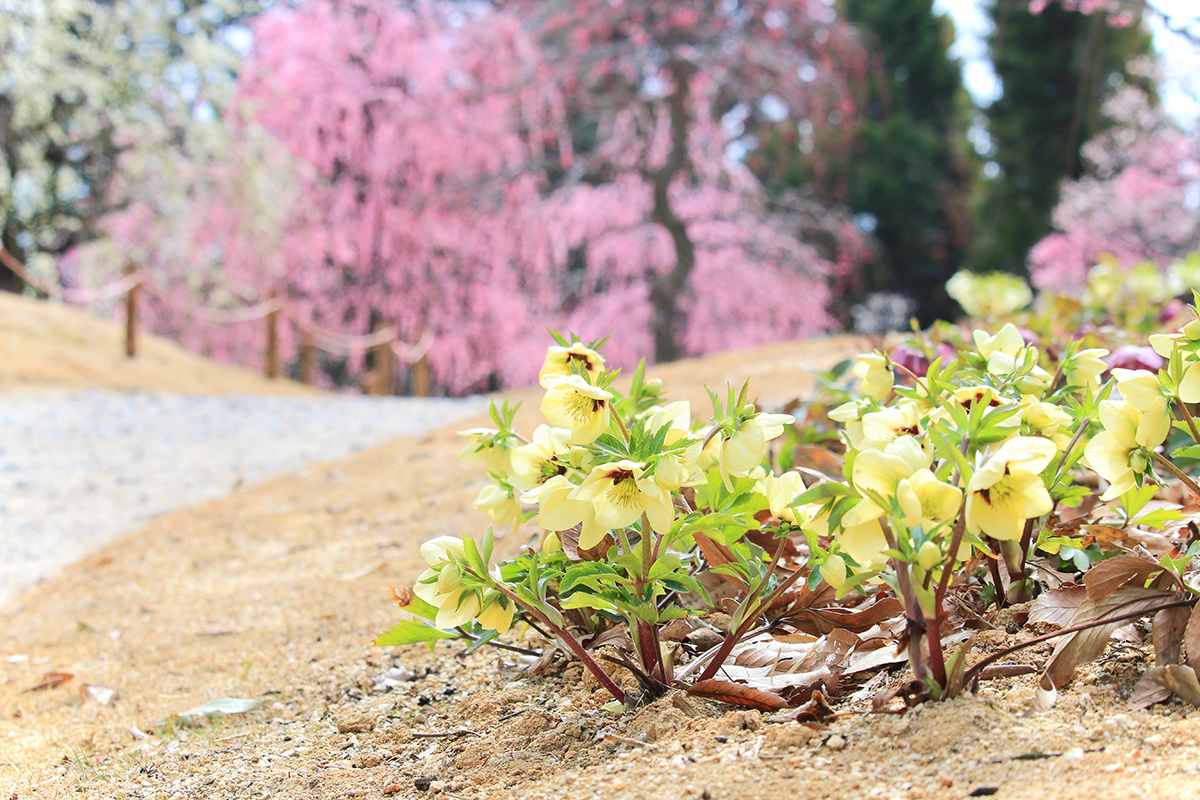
(588, 600)
(1190, 451)
(411, 631)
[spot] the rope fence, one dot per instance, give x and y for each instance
(384, 345)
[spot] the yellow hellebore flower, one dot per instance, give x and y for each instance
(1086, 368)
(559, 361)
(882, 426)
(1138, 387)
(679, 469)
(558, 510)
(1007, 340)
(970, 396)
(456, 608)
(988, 294)
(875, 373)
(1165, 343)
(833, 571)
(535, 463)
(743, 450)
(572, 402)
(1007, 489)
(780, 491)
(926, 502)
(879, 472)
(849, 414)
(864, 542)
(1045, 418)
(1005, 352)
(619, 495)
(441, 584)
(1104, 282)
(486, 445)
(500, 505)
(1116, 452)
(497, 615)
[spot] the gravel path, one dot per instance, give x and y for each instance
(79, 470)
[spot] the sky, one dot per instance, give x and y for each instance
(1179, 57)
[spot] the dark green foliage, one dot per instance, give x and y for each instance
(909, 167)
(1056, 68)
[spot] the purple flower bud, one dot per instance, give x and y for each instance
(1132, 356)
(912, 360)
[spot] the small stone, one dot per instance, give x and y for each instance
(355, 722)
(423, 783)
(437, 786)
(835, 742)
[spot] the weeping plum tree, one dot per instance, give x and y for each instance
(1136, 201)
(480, 172)
(658, 222)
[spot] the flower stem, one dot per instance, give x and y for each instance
(570, 641)
(1187, 417)
(1176, 471)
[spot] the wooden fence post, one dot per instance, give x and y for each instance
(308, 358)
(272, 360)
(420, 373)
(379, 382)
(131, 314)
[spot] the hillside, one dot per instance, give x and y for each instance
(45, 345)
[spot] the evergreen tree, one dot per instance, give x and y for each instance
(905, 169)
(909, 168)
(1056, 67)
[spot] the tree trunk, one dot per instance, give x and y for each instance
(667, 289)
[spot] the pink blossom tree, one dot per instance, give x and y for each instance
(654, 209)
(1139, 201)
(479, 173)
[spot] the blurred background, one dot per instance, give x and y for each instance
(453, 178)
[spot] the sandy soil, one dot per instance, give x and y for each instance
(49, 346)
(274, 593)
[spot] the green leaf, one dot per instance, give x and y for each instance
(822, 491)
(1156, 519)
(1190, 451)
(410, 631)
(474, 559)
(416, 605)
(1135, 500)
(588, 600)
(489, 544)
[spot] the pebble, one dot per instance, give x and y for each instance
(81, 469)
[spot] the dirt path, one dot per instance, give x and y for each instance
(274, 593)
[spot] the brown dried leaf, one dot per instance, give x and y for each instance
(825, 620)
(1082, 646)
(738, 694)
(1191, 638)
(570, 545)
(717, 555)
(675, 631)
(1179, 679)
(50, 680)
(1109, 576)
(1169, 628)
(1147, 691)
(817, 709)
(819, 459)
(1057, 606)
